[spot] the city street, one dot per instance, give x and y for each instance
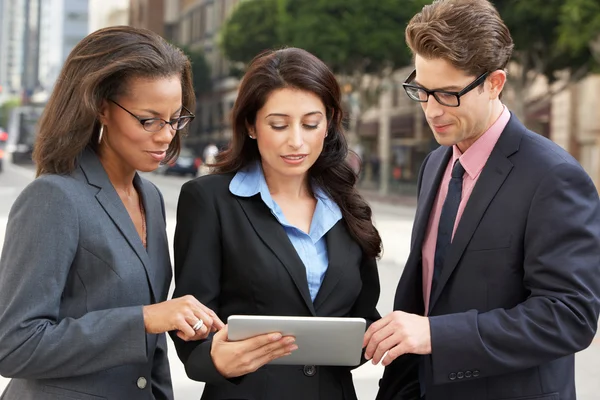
(394, 224)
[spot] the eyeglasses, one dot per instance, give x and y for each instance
(156, 124)
(445, 98)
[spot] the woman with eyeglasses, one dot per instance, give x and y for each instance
(85, 269)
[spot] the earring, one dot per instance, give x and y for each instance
(251, 137)
(326, 134)
(100, 134)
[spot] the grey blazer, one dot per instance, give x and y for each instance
(74, 276)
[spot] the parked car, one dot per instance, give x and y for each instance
(186, 164)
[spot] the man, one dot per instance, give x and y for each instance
(502, 284)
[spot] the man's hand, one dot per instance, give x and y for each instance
(397, 333)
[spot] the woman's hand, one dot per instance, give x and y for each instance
(180, 315)
(233, 359)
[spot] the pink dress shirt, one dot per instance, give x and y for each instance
(473, 161)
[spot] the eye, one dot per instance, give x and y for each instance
(152, 124)
(279, 127)
(311, 127)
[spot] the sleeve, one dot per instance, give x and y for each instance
(197, 256)
(161, 374)
(41, 242)
(366, 303)
(561, 269)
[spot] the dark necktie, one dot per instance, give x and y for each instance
(447, 219)
(444, 238)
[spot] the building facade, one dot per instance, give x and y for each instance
(104, 13)
(148, 14)
(196, 25)
(12, 45)
(37, 36)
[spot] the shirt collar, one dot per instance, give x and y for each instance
(473, 160)
(250, 181)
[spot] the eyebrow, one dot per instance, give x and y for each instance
(156, 113)
(285, 115)
(446, 88)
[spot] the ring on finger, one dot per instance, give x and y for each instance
(198, 325)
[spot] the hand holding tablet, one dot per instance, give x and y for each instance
(233, 359)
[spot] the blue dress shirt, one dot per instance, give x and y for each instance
(311, 247)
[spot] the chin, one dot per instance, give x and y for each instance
(147, 168)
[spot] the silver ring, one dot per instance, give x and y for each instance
(198, 325)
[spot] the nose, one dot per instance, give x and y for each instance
(165, 135)
(295, 139)
(432, 108)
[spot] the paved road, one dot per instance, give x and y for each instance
(394, 223)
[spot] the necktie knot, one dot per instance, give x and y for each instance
(458, 171)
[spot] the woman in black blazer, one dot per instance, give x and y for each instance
(280, 229)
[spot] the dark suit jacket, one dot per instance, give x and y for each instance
(233, 256)
(519, 291)
(73, 278)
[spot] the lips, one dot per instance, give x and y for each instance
(295, 157)
(158, 155)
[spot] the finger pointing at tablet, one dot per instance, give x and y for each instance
(233, 359)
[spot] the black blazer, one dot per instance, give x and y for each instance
(233, 256)
(519, 290)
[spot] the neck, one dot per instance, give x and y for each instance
(496, 111)
(295, 187)
(119, 173)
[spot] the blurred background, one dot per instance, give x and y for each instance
(553, 87)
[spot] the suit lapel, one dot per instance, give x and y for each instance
(432, 177)
(338, 242)
(113, 206)
(493, 175)
(411, 280)
(274, 236)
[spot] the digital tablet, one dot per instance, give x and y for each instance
(320, 340)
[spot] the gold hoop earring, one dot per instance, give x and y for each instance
(100, 134)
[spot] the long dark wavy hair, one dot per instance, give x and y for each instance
(298, 69)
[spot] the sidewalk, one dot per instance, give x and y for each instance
(390, 198)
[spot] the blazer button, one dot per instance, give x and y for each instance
(310, 370)
(452, 376)
(142, 382)
(475, 374)
(468, 374)
(460, 375)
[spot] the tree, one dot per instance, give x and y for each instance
(580, 26)
(534, 28)
(5, 110)
(253, 27)
(361, 41)
(200, 70)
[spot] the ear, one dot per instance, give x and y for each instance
(497, 80)
(103, 112)
(251, 130)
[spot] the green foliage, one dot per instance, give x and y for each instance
(253, 27)
(579, 25)
(534, 26)
(200, 70)
(5, 109)
(349, 35)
